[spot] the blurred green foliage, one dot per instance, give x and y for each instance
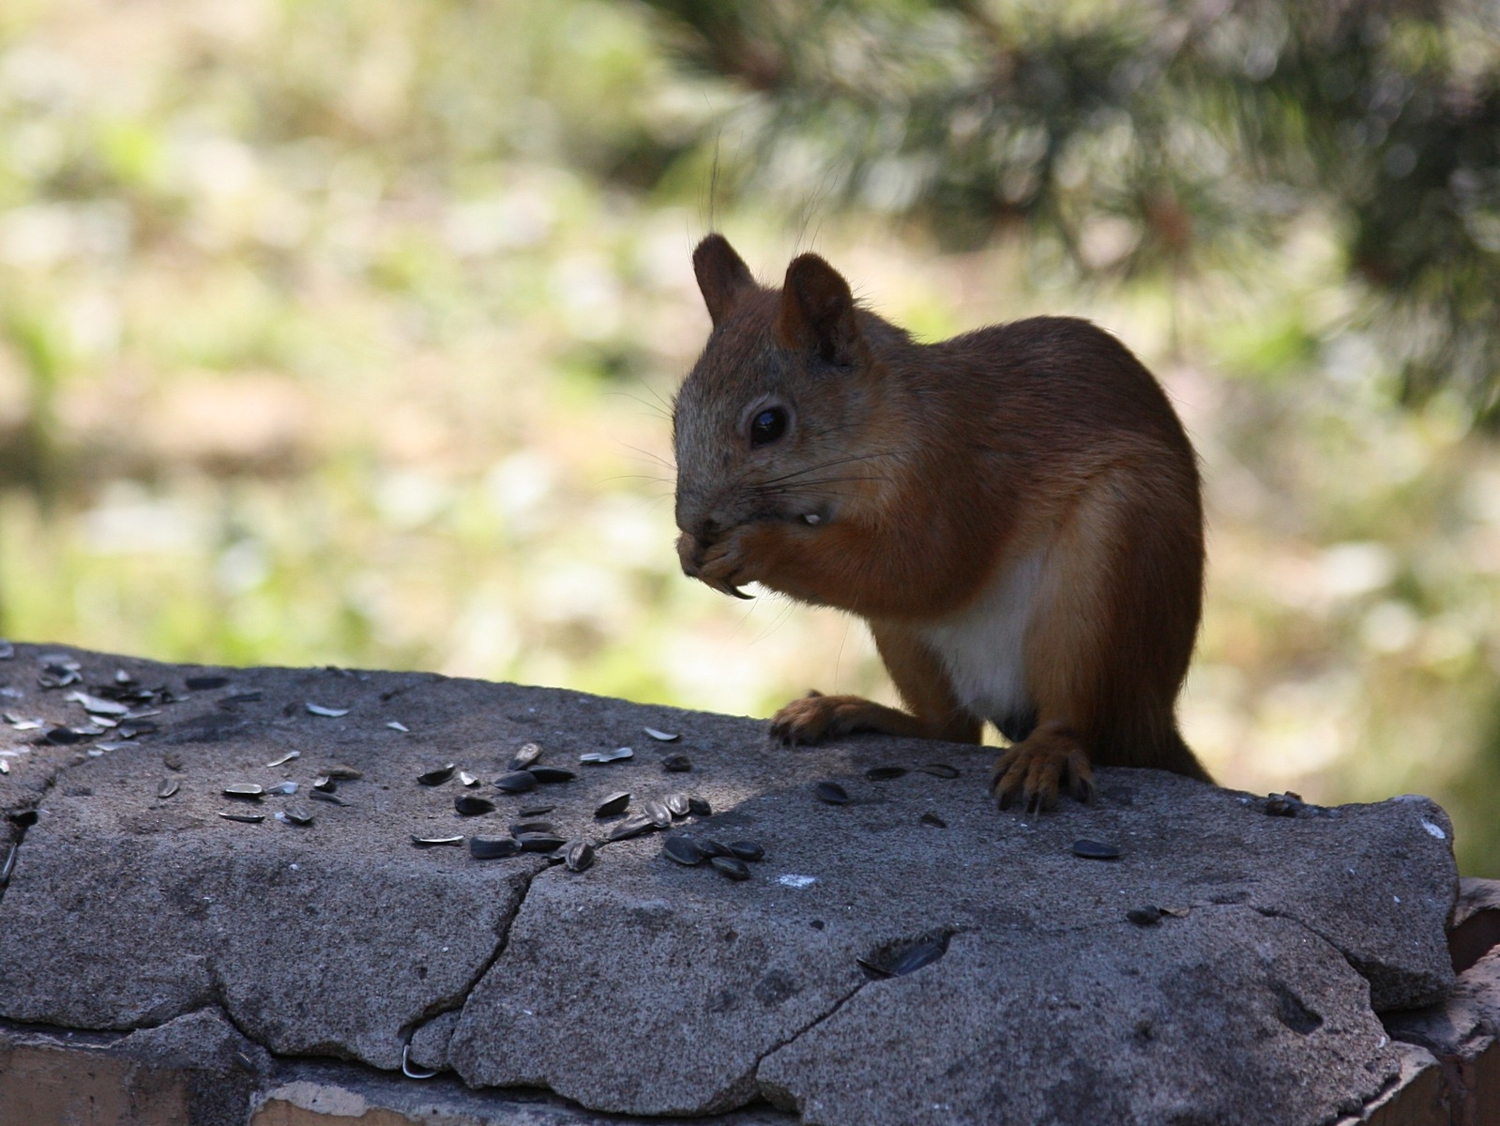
(337, 332)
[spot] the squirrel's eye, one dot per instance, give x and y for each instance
(767, 426)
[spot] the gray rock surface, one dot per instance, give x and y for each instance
(643, 987)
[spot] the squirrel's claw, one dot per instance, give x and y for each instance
(1033, 771)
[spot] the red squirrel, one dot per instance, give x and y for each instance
(1015, 513)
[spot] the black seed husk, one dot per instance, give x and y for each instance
(535, 810)
(485, 848)
(884, 773)
(831, 792)
(684, 850)
(549, 775)
(933, 820)
(922, 954)
(699, 807)
(532, 827)
(245, 791)
(1144, 916)
(677, 804)
(710, 847)
(578, 856)
(731, 866)
(631, 827)
(471, 805)
(516, 782)
(323, 784)
(297, 816)
(342, 773)
(746, 850)
(248, 818)
(939, 770)
(326, 795)
(540, 842)
(168, 787)
(616, 802)
(676, 764)
(1095, 850)
(437, 776)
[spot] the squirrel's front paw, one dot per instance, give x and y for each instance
(1034, 769)
(816, 717)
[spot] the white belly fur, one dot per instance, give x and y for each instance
(984, 647)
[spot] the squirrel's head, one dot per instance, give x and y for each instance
(768, 427)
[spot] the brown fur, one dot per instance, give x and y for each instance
(912, 477)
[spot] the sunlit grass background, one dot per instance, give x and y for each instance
(337, 332)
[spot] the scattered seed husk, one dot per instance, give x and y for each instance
(204, 683)
(64, 736)
(168, 787)
(540, 842)
(933, 820)
(746, 850)
(471, 805)
(327, 795)
(525, 756)
(58, 676)
(939, 770)
(247, 818)
(617, 802)
(884, 773)
(438, 775)
(1288, 804)
(831, 792)
(411, 1070)
(677, 804)
(233, 700)
(1095, 850)
(516, 782)
(632, 826)
(731, 866)
(330, 713)
(292, 815)
(282, 788)
(323, 784)
(922, 954)
(8, 863)
(341, 773)
(1144, 916)
(676, 764)
(4, 766)
(684, 850)
(578, 856)
(467, 779)
(245, 791)
(434, 842)
(710, 847)
(660, 815)
(551, 775)
(535, 810)
(1175, 912)
(284, 759)
(532, 827)
(96, 705)
(662, 736)
(497, 848)
(397, 725)
(130, 729)
(615, 755)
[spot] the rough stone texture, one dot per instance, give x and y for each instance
(641, 987)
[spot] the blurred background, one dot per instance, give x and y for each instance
(345, 331)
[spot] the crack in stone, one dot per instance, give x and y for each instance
(754, 1071)
(1365, 969)
(502, 940)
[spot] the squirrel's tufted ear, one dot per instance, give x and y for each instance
(817, 311)
(722, 274)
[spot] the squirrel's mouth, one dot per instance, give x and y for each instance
(691, 553)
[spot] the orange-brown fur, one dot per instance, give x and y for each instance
(911, 478)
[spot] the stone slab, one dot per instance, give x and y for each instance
(641, 987)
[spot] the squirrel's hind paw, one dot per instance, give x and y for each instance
(1033, 771)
